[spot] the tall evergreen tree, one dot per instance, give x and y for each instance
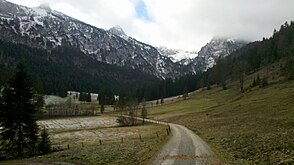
(106, 96)
(45, 144)
(19, 130)
(144, 111)
(89, 97)
(102, 108)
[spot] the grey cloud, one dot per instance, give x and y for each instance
(187, 24)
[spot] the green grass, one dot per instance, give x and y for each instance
(190, 105)
(131, 151)
(256, 127)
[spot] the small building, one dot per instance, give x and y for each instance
(73, 94)
(76, 95)
(94, 97)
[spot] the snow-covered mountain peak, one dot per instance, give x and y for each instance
(219, 48)
(231, 40)
(38, 11)
(47, 29)
(45, 6)
(44, 28)
(178, 55)
(117, 30)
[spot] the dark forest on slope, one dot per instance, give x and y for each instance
(64, 69)
(57, 71)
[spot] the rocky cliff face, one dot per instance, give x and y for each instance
(208, 55)
(44, 28)
(182, 57)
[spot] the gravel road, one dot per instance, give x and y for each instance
(185, 148)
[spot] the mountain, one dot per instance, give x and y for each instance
(212, 51)
(257, 64)
(182, 57)
(63, 69)
(219, 47)
(41, 27)
(117, 30)
(206, 58)
(78, 56)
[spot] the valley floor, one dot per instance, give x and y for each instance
(99, 140)
(255, 127)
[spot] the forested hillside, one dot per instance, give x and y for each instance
(57, 71)
(64, 69)
(277, 49)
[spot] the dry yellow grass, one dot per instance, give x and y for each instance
(256, 127)
(138, 146)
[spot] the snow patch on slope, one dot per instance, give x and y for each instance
(178, 55)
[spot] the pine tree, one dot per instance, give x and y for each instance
(102, 108)
(258, 80)
(185, 93)
(161, 100)
(144, 111)
(263, 82)
(89, 97)
(45, 144)
(19, 130)
(288, 69)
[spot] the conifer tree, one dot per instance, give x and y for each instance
(144, 111)
(45, 144)
(89, 97)
(102, 108)
(19, 130)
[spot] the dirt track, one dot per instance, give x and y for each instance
(184, 148)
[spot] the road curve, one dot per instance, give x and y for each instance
(185, 148)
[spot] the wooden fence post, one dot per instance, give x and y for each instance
(167, 131)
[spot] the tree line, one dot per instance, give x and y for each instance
(248, 59)
(63, 69)
(20, 135)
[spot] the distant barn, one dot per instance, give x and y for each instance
(76, 95)
(73, 94)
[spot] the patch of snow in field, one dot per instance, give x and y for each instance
(77, 123)
(50, 99)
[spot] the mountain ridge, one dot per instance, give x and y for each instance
(43, 28)
(212, 51)
(48, 29)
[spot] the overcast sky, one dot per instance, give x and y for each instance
(181, 24)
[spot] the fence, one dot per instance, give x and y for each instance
(137, 138)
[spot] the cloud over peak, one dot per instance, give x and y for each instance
(185, 24)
